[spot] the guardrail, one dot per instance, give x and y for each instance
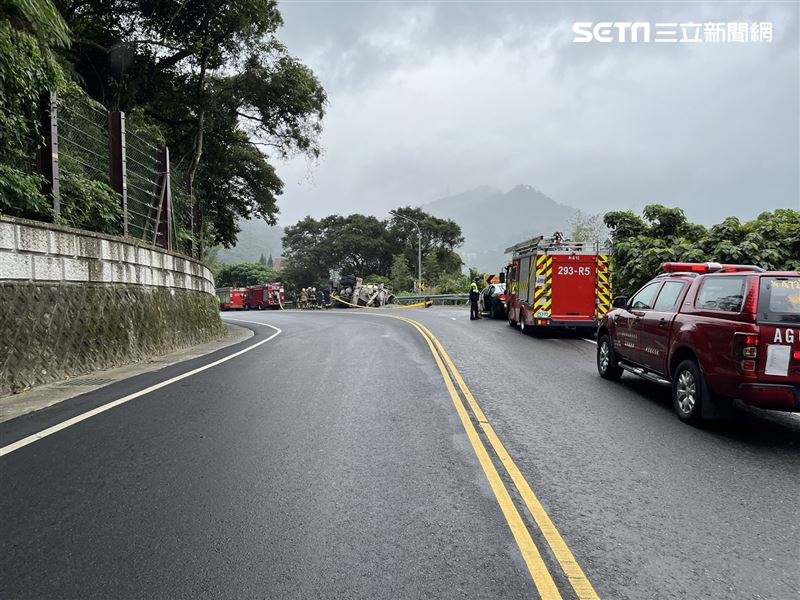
(441, 299)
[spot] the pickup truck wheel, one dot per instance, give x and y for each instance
(688, 392)
(607, 364)
(511, 321)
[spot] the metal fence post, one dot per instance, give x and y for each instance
(196, 219)
(165, 225)
(118, 158)
(47, 153)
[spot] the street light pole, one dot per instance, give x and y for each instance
(419, 248)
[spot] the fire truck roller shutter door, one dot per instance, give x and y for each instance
(544, 286)
(524, 278)
(603, 287)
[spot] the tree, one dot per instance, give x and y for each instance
(270, 262)
(263, 260)
(401, 278)
(642, 245)
(220, 85)
(31, 31)
(437, 234)
(588, 228)
(244, 274)
(364, 245)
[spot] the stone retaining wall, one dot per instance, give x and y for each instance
(72, 302)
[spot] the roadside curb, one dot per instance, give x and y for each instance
(40, 397)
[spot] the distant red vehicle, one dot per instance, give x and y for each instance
(231, 298)
(266, 296)
(714, 333)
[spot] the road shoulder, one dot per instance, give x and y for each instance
(40, 397)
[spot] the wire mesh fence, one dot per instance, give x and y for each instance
(83, 139)
(182, 204)
(111, 176)
(143, 174)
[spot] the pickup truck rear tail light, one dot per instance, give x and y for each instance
(796, 356)
(745, 350)
(749, 366)
(503, 298)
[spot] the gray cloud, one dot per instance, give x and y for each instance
(431, 98)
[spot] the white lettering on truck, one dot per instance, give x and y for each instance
(779, 339)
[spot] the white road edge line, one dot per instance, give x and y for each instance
(590, 341)
(101, 409)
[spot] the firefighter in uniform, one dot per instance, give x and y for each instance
(474, 293)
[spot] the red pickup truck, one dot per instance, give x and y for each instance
(714, 333)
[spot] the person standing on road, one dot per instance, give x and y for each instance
(474, 293)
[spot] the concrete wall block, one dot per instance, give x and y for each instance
(144, 257)
(128, 253)
(63, 244)
(147, 276)
(157, 259)
(7, 236)
(15, 266)
(110, 250)
(168, 262)
(119, 273)
(32, 239)
(159, 278)
(48, 268)
(89, 247)
(76, 269)
(179, 280)
(99, 271)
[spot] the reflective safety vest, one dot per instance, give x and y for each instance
(473, 288)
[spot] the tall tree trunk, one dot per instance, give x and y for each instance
(197, 153)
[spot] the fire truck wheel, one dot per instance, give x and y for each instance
(522, 327)
(688, 392)
(607, 364)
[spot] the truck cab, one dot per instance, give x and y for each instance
(714, 333)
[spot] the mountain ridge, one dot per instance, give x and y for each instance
(492, 220)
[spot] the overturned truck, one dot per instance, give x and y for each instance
(349, 290)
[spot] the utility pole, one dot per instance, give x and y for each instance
(419, 247)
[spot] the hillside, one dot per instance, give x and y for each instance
(492, 221)
(255, 238)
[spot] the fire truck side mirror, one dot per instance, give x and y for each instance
(619, 302)
(502, 277)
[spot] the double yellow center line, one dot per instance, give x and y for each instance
(542, 577)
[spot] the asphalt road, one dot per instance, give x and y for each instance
(330, 462)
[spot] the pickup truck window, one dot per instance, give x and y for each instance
(643, 300)
(779, 300)
(721, 293)
(668, 296)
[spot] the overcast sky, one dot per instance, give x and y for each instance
(432, 99)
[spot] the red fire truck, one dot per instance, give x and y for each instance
(267, 295)
(553, 282)
(231, 298)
